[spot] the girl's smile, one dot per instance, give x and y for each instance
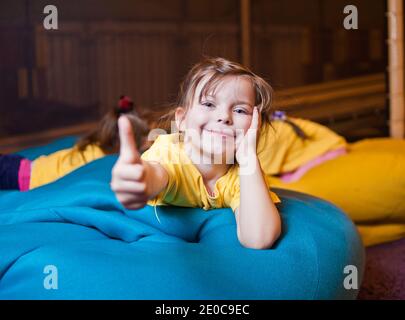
(226, 133)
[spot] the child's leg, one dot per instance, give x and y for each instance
(15, 171)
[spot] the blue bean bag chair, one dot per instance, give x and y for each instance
(72, 239)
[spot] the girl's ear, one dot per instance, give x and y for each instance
(179, 117)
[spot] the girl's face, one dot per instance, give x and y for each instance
(215, 124)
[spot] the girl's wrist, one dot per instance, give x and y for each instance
(249, 165)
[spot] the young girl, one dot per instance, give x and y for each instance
(212, 162)
(19, 173)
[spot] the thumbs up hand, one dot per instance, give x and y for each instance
(129, 174)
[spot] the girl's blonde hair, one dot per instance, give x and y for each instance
(215, 70)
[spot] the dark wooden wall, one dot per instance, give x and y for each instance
(51, 79)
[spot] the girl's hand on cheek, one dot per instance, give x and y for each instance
(246, 143)
(129, 175)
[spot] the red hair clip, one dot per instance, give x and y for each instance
(125, 104)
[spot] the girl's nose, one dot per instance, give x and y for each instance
(225, 118)
(225, 121)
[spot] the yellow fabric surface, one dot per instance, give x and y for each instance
(46, 169)
(186, 187)
(368, 183)
(376, 234)
(280, 150)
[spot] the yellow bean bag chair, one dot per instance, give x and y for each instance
(368, 182)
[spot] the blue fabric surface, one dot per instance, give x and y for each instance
(58, 144)
(103, 251)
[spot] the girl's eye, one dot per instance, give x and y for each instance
(242, 111)
(208, 104)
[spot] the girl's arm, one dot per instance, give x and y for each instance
(134, 180)
(258, 220)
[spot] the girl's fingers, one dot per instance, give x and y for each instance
(255, 119)
(129, 172)
(136, 206)
(131, 187)
(128, 200)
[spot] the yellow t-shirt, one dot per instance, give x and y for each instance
(186, 186)
(46, 169)
(280, 150)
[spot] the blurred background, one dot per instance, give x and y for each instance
(59, 82)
